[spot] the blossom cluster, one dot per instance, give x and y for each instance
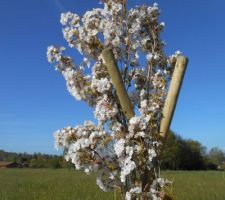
(123, 152)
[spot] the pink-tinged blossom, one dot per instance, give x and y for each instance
(126, 167)
(105, 109)
(101, 85)
(119, 147)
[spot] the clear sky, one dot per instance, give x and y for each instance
(33, 97)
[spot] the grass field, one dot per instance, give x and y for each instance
(47, 184)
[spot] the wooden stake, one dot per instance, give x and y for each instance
(117, 80)
(124, 99)
(127, 106)
(172, 96)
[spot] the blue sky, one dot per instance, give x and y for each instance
(33, 97)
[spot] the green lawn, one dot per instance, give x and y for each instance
(48, 184)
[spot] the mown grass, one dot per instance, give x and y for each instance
(63, 184)
(197, 185)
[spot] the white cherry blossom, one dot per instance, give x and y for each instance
(118, 149)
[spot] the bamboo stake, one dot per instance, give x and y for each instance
(172, 95)
(115, 75)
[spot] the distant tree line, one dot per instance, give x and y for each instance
(36, 160)
(188, 154)
(178, 154)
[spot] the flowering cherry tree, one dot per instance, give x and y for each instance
(121, 148)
